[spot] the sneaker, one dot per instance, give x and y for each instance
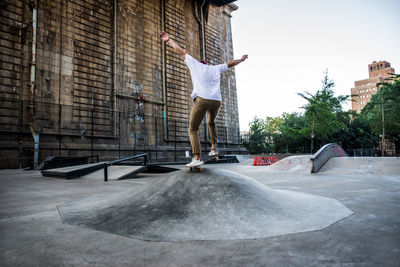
(195, 163)
(213, 153)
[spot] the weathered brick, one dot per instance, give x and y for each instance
(75, 68)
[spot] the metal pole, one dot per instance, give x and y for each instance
(105, 172)
(312, 134)
(203, 45)
(312, 143)
(21, 111)
(163, 67)
(91, 139)
(383, 124)
(32, 85)
(115, 68)
(155, 126)
(175, 140)
(59, 129)
(119, 134)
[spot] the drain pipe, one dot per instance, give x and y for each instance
(200, 20)
(164, 78)
(115, 69)
(32, 85)
(203, 55)
(203, 43)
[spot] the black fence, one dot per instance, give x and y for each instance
(258, 146)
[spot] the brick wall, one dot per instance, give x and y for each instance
(96, 94)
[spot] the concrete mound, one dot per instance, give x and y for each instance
(300, 163)
(211, 205)
(362, 165)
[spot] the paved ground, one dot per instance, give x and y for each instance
(32, 233)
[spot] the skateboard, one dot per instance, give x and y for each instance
(200, 168)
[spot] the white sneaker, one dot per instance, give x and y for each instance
(213, 153)
(195, 163)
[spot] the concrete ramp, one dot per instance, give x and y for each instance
(211, 205)
(73, 171)
(362, 165)
(324, 154)
(300, 164)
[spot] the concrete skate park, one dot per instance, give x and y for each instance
(231, 214)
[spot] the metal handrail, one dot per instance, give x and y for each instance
(106, 164)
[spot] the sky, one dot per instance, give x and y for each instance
(292, 43)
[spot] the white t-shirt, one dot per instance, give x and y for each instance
(206, 79)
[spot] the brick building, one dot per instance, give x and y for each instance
(363, 89)
(92, 77)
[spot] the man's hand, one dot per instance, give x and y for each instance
(233, 63)
(164, 36)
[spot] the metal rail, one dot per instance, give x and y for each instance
(144, 155)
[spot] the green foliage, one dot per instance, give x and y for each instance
(272, 130)
(257, 136)
(277, 134)
(323, 115)
(357, 133)
(323, 110)
(388, 97)
(295, 131)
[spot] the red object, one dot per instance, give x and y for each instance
(263, 161)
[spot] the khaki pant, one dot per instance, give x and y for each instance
(201, 106)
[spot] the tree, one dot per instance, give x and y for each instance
(272, 128)
(323, 110)
(257, 136)
(387, 99)
(356, 135)
(295, 132)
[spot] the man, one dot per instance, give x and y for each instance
(206, 95)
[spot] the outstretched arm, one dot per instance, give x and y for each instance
(234, 62)
(165, 37)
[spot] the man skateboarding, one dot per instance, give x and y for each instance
(206, 96)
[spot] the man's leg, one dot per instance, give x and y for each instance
(212, 126)
(196, 117)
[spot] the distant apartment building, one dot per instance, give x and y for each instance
(364, 89)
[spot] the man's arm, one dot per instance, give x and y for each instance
(165, 37)
(234, 62)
